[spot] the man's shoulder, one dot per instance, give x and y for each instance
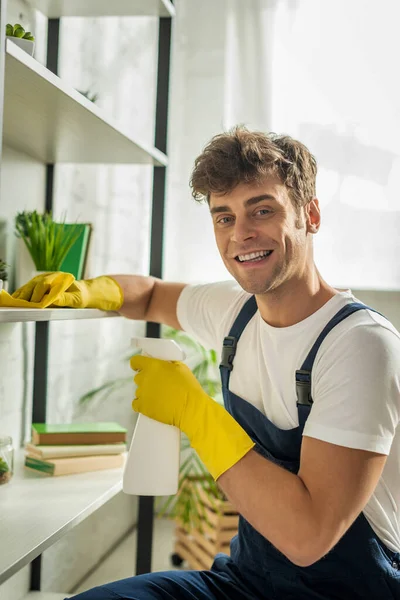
(225, 294)
(208, 310)
(370, 323)
(364, 332)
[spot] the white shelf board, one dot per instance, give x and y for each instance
(37, 509)
(104, 8)
(52, 122)
(18, 315)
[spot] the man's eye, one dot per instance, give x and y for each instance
(224, 220)
(264, 211)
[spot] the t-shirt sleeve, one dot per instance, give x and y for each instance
(207, 311)
(356, 390)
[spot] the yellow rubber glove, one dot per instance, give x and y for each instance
(101, 292)
(169, 392)
(39, 292)
(61, 290)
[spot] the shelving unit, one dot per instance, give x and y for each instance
(58, 124)
(44, 118)
(22, 315)
(54, 509)
(54, 9)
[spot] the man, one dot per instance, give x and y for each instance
(308, 450)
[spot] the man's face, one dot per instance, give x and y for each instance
(261, 237)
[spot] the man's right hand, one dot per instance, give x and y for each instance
(101, 292)
(60, 289)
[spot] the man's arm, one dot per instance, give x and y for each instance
(304, 515)
(150, 299)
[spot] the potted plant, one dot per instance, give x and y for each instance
(23, 39)
(5, 473)
(47, 241)
(3, 275)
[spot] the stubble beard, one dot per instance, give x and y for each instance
(261, 284)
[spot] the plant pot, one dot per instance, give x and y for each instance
(36, 273)
(3, 285)
(25, 267)
(27, 45)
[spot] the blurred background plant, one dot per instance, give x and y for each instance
(92, 96)
(48, 242)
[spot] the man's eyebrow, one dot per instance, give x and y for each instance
(249, 202)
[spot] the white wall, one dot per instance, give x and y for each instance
(333, 86)
(196, 114)
(115, 58)
(309, 69)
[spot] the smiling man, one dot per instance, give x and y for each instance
(307, 447)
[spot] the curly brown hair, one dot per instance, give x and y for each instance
(243, 156)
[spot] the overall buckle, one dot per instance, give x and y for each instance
(303, 388)
(228, 352)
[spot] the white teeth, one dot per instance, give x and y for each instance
(243, 257)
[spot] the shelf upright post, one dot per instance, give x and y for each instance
(146, 503)
(3, 21)
(40, 368)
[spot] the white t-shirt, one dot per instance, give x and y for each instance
(355, 379)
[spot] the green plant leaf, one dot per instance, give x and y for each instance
(108, 386)
(18, 32)
(48, 242)
(4, 468)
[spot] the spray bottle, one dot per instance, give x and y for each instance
(152, 465)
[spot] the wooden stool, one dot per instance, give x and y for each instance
(199, 546)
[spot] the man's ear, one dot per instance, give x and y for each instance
(313, 216)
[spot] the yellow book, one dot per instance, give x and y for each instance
(46, 452)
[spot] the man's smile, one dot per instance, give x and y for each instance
(253, 258)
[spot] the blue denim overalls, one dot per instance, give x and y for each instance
(359, 567)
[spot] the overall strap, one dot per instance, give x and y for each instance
(303, 375)
(230, 341)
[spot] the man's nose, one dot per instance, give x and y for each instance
(243, 230)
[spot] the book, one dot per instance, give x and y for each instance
(46, 452)
(75, 260)
(77, 464)
(47, 434)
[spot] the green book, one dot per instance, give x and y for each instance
(77, 427)
(77, 433)
(75, 260)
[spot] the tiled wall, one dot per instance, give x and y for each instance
(115, 58)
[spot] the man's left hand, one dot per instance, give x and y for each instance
(165, 390)
(169, 392)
